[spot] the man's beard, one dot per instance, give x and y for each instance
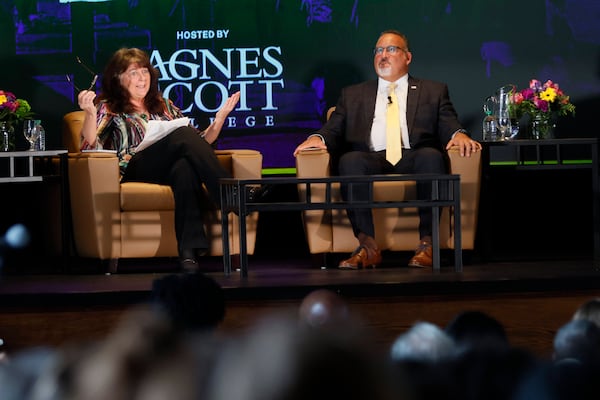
(384, 71)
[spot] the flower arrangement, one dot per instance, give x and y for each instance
(13, 109)
(543, 103)
(541, 98)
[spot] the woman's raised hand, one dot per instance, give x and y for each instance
(85, 99)
(228, 106)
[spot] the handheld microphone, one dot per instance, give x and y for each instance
(389, 99)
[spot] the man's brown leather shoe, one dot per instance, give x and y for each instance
(360, 259)
(423, 257)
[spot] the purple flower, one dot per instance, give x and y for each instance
(542, 105)
(527, 94)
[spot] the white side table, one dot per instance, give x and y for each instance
(31, 175)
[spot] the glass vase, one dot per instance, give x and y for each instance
(542, 127)
(7, 137)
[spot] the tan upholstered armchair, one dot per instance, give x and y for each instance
(395, 229)
(136, 220)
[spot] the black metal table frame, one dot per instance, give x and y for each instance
(445, 192)
(63, 175)
(541, 162)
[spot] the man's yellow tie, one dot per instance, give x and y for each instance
(393, 135)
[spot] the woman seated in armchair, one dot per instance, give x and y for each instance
(116, 119)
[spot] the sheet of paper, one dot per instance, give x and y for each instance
(99, 151)
(156, 130)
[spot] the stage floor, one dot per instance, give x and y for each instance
(532, 299)
(294, 277)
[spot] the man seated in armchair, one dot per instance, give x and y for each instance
(395, 124)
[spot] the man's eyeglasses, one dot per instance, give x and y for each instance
(88, 69)
(389, 49)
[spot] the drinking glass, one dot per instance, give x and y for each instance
(504, 125)
(31, 132)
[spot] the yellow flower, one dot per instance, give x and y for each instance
(3, 99)
(549, 94)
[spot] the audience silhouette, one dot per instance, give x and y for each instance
(423, 356)
(322, 307)
(578, 340)
(573, 371)
(589, 310)
(193, 301)
(282, 360)
(475, 329)
(487, 366)
(167, 349)
(423, 342)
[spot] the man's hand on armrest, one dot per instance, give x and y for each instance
(313, 142)
(465, 144)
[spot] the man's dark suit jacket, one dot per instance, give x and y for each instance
(430, 116)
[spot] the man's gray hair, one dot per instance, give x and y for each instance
(424, 342)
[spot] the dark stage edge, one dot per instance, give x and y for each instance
(294, 278)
